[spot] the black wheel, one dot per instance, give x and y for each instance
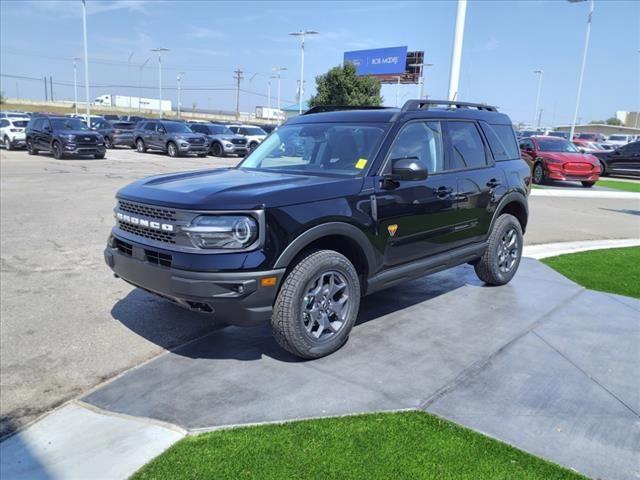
(30, 148)
(317, 305)
(108, 143)
(57, 150)
(501, 259)
(538, 174)
(202, 155)
(99, 156)
(588, 184)
(140, 146)
(216, 150)
(7, 143)
(603, 169)
(253, 146)
(172, 149)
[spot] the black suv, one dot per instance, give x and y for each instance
(173, 137)
(332, 206)
(64, 137)
(624, 160)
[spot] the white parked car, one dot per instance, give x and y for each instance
(12, 132)
(619, 140)
(254, 135)
(13, 114)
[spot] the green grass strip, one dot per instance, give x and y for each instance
(619, 185)
(615, 270)
(404, 445)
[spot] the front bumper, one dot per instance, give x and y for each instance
(191, 148)
(237, 298)
(75, 149)
(236, 149)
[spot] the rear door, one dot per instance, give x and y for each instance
(150, 135)
(45, 134)
(417, 218)
(626, 159)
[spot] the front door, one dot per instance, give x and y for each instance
(417, 218)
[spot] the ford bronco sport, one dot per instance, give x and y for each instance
(336, 204)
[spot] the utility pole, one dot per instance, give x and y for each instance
(269, 92)
(179, 96)
(456, 55)
(398, 78)
(86, 61)
(129, 75)
(51, 86)
(46, 90)
(140, 84)
(238, 77)
(540, 73)
(75, 84)
(159, 52)
(279, 71)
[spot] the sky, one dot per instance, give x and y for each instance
(504, 42)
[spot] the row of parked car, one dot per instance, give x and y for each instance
(70, 135)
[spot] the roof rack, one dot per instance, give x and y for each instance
(337, 108)
(427, 104)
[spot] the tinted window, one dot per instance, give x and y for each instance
(422, 140)
(199, 128)
(4, 123)
(123, 125)
(631, 148)
(68, 124)
(177, 127)
(150, 126)
(219, 129)
(548, 145)
(466, 145)
(502, 141)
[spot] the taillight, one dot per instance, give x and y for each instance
(15, 129)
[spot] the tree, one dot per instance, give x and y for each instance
(2, 99)
(614, 121)
(342, 86)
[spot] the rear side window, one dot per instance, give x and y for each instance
(502, 141)
(150, 126)
(467, 148)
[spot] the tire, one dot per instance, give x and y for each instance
(172, 150)
(108, 143)
(140, 146)
(216, 150)
(603, 169)
(7, 143)
(56, 148)
(493, 268)
(99, 156)
(30, 148)
(538, 174)
(588, 184)
(253, 146)
(301, 305)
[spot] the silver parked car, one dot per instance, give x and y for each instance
(222, 140)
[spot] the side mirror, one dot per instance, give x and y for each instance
(408, 169)
(162, 130)
(582, 150)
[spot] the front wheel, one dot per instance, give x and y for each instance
(253, 146)
(317, 305)
(172, 149)
(501, 258)
(603, 169)
(58, 153)
(588, 184)
(216, 150)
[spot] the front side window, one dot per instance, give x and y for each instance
(466, 146)
(423, 141)
(150, 127)
(547, 145)
(320, 148)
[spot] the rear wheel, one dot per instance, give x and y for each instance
(603, 169)
(501, 258)
(538, 174)
(317, 305)
(30, 148)
(58, 152)
(216, 150)
(7, 143)
(99, 156)
(140, 146)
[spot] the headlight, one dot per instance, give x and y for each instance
(223, 231)
(68, 137)
(228, 145)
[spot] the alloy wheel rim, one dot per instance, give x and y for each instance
(172, 150)
(140, 146)
(508, 250)
(537, 174)
(326, 306)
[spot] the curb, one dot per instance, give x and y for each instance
(561, 248)
(615, 195)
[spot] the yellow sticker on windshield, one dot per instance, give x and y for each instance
(361, 163)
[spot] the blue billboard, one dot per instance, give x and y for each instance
(380, 61)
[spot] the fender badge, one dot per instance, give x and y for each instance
(392, 229)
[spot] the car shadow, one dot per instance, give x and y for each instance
(622, 210)
(165, 324)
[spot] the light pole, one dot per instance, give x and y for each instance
(159, 51)
(129, 75)
(456, 54)
(142, 65)
(302, 34)
(272, 77)
(278, 71)
(75, 83)
(179, 96)
(86, 61)
(421, 76)
(250, 93)
(398, 78)
(584, 61)
(540, 73)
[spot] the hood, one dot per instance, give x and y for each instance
(565, 157)
(188, 136)
(237, 189)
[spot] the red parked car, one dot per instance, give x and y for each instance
(553, 158)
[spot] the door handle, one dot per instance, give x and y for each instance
(493, 183)
(443, 192)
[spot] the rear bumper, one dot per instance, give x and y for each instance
(123, 140)
(236, 298)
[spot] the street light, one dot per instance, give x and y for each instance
(540, 73)
(302, 34)
(142, 65)
(86, 61)
(584, 61)
(278, 71)
(129, 76)
(398, 78)
(421, 76)
(456, 53)
(179, 99)
(159, 52)
(75, 83)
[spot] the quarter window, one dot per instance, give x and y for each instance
(502, 141)
(466, 146)
(421, 140)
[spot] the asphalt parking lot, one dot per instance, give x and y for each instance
(67, 325)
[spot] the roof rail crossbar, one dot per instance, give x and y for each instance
(336, 108)
(420, 104)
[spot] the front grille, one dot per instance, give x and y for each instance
(157, 235)
(147, 211)
(123, 247)
(577, 167)
(157, 258)
(90, 140)
(239, 141)
(197, 141)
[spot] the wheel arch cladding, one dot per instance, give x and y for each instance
(514, 204)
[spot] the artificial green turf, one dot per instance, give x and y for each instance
(615, 270)
(404, 445)
(619, 185)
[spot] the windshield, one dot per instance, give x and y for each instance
(255, 131)
(68, 124)
(556, 146)
(618, 137)
(177, 127)
(341, 149)
(219, 130)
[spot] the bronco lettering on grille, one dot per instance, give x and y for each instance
(166, 227)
